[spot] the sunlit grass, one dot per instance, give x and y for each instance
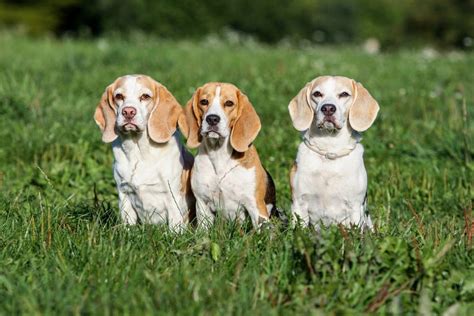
(63, 249)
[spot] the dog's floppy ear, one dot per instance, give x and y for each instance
(191, 121)
(164, 115)
(105, 116)
(301, 111)
(363, 110)
(246, 126)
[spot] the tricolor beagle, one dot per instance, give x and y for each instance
(227, 175)
(328, 179)
(151, 168)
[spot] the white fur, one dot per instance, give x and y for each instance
(148, 178)
(148, 175)
(132, 91)
(216, 109)
(331, 89)
(331, 190)
(222, 185)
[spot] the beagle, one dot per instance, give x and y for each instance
(227, 176)
(138, 116)
(328, 179)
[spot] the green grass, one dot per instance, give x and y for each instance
(63, 249)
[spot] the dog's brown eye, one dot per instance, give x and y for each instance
(145, 97)
(317, 94)
(228, 103)
(119, 96)
(204, 102)
(343, 95)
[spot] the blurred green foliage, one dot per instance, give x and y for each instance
(439, 22)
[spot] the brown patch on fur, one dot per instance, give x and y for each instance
(192, 121)
(270, 194)
(364, 110)
(247, 124)
(188, 161)
(250, 159)
(301, 111)
(104, 115)
(164, 116)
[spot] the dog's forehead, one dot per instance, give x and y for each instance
(133, 83)
(145, 82)
(223, 89)
(333, 83)
(209, 89)
(228, 90)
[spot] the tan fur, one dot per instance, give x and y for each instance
(165, 113)
(364, 110)
(188, 161)
(105, 116)
(246, 126)
(250, 159)
(300, 109)
(192, 118)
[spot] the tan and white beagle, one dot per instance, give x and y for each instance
(328, 179)
(152, 168)
(227, 176)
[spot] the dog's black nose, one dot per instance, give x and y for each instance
(328, 109)
(213, 119)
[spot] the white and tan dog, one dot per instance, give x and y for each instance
(227, 175)
(328, 179)
(152, 168)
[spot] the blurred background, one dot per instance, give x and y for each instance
(385, 24)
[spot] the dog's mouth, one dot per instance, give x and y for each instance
(130, 127)
(213, 132)
(329, 123)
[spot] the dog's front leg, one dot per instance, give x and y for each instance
(176, 221)
(366, 222)
(127, 212)
(299, 211)
(255, 211)
(204, 215)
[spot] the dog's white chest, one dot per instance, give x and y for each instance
(331, 190)
(226, 187)
(148, 180)
(140, 178)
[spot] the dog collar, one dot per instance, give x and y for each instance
(327, 154)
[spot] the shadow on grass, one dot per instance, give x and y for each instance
(97, 211)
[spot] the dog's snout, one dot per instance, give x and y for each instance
(129, 112)
(213, 119)
(328, 109)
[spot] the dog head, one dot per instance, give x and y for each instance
(333, 102)
(134, 104)
(218, 111)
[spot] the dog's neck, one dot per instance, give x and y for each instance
(219, 151)
(335, 141)
(140, 146)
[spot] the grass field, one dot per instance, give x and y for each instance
(63, 249)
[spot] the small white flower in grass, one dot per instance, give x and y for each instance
(467, 41)
(102, 45)
(372, 46)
